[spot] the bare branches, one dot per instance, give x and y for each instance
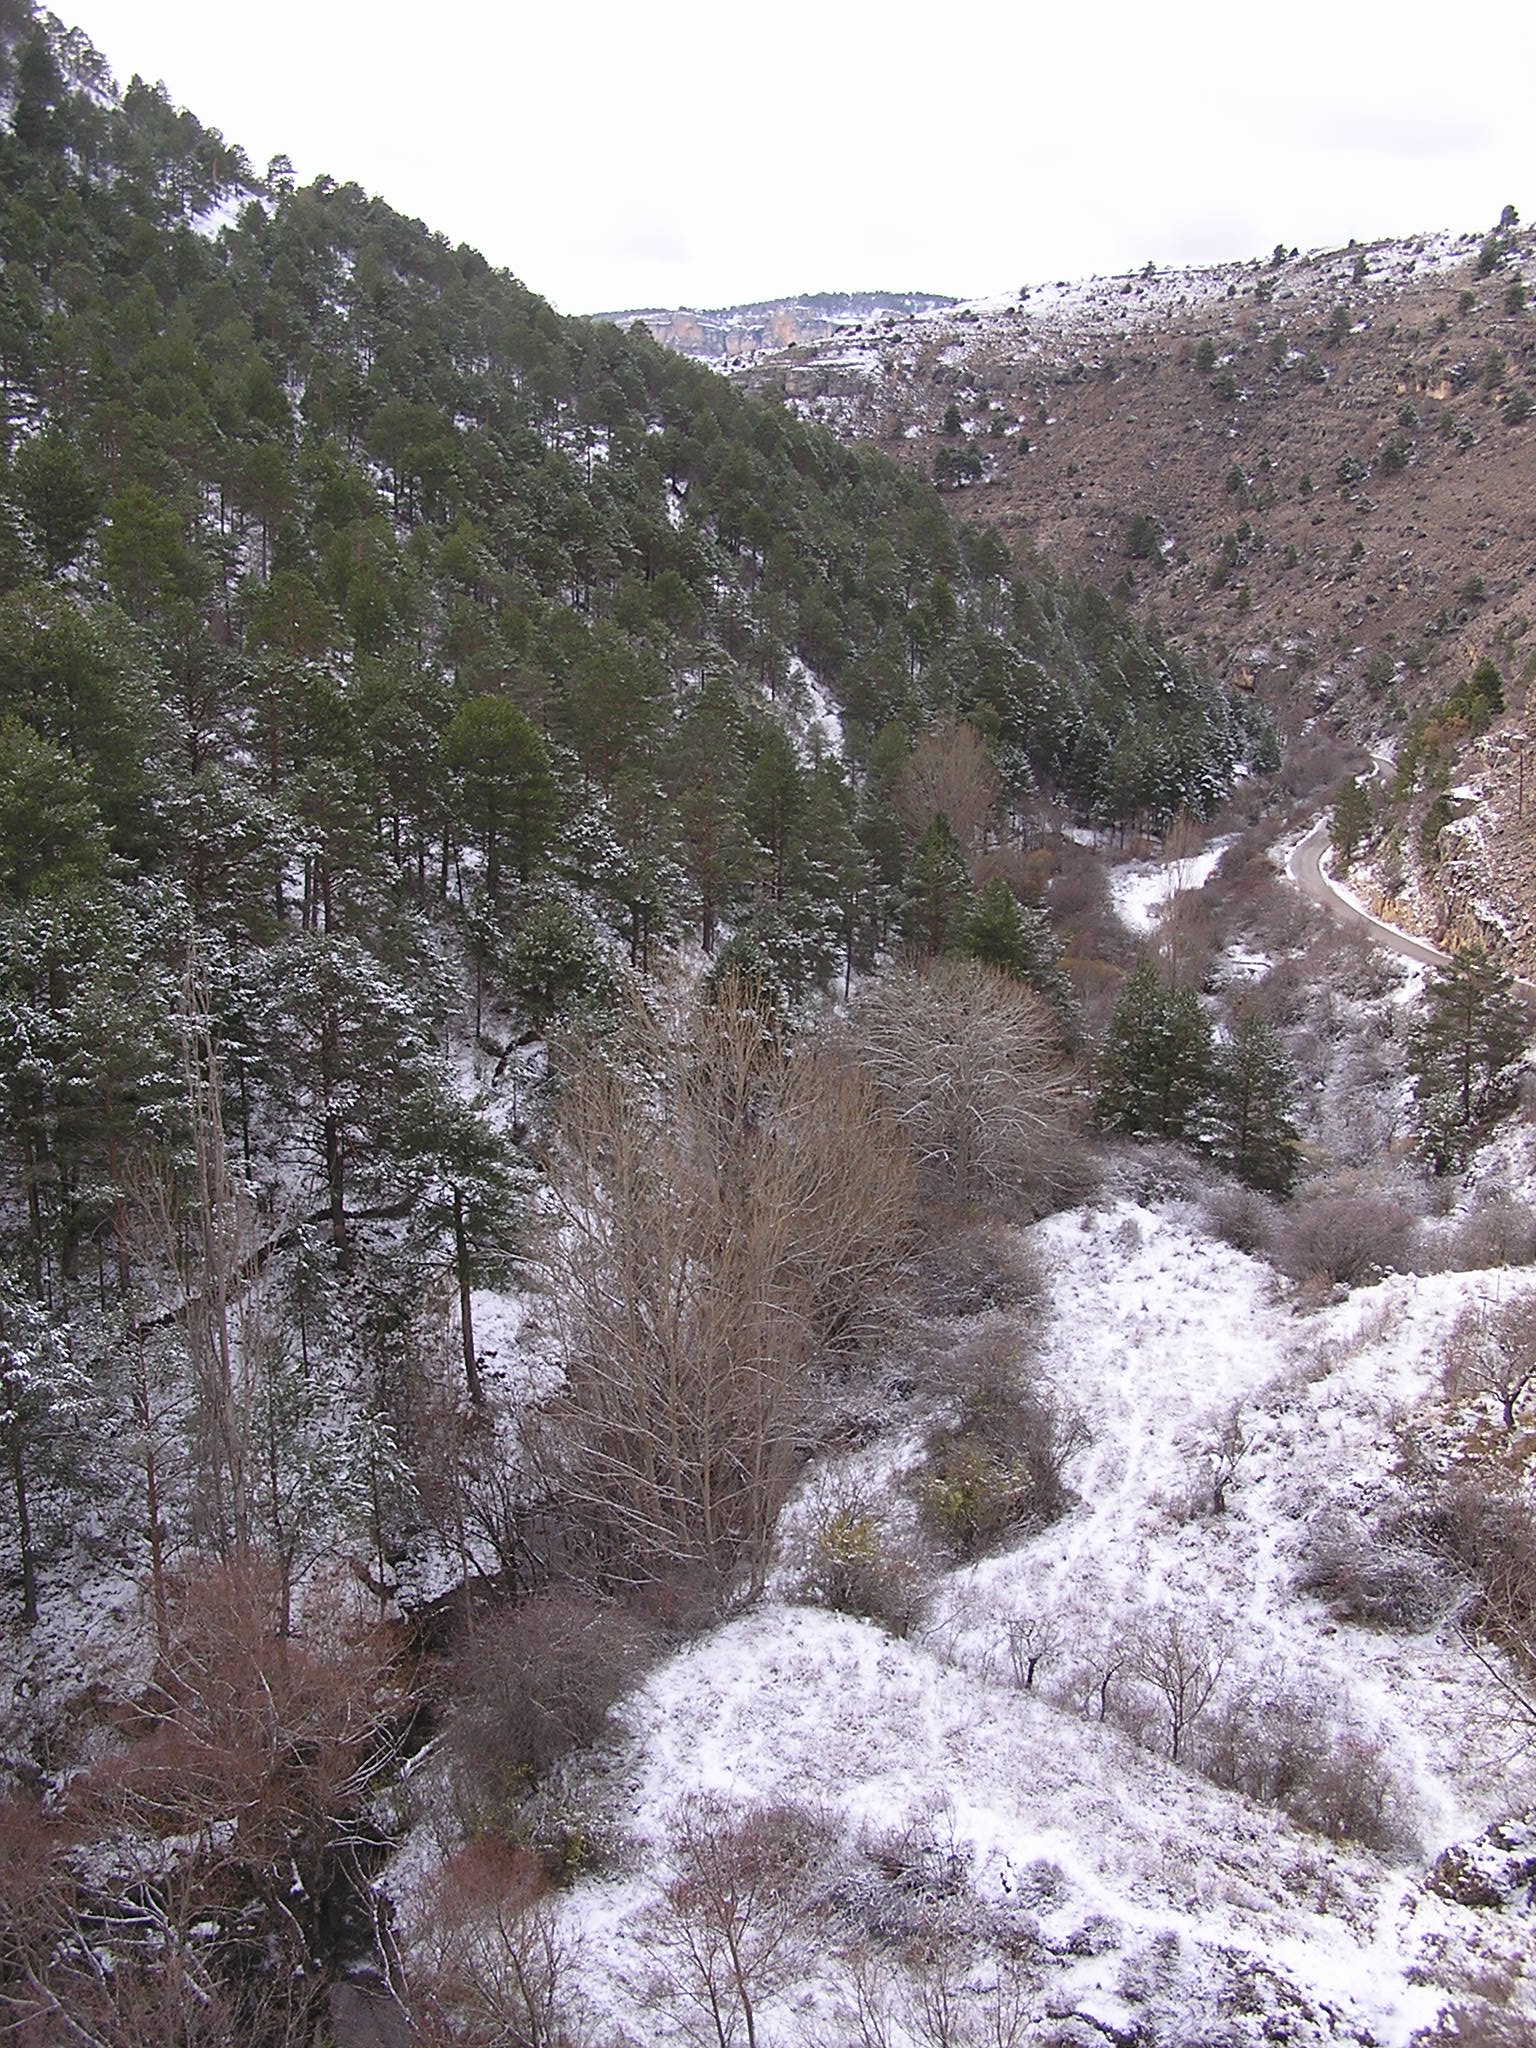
(969, 1064)
(1492, 1351)
(721, 1228)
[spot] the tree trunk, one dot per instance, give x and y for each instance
(466, 1315)
(23, 1527)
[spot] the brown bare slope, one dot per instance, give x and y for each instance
(1314, 470)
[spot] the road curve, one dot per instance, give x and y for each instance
(1307, 872)
(1312, 878)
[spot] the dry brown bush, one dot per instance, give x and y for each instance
(1002, 1465)
(1488, 1533)
(732, 1207)
(492, 1963)
(734, 1920)
(981, 1267)
(1282, 1746)
(950, 770)
(1346, 1239)
(1372, 1577)
(1499, 1232)
(1241, 1217)
(968, 1066)
(851, 1566)
(538, 1685)
(208, 1854)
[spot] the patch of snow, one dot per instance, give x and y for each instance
(1141, 890)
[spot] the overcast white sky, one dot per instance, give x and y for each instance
(619, 153)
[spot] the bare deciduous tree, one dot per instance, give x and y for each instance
(940, 1995)
(729, 1929)
(1182, 1661)
(494, 1961)
(1492, 1350)
(732, 1205)
(969, 1063)
(950, 770)
(1032, 1638)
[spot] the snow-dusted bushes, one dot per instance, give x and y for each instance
(1240, 1217)
(538, 1683)
(1498, 1232)
(1284, 1745)
(852, 1567)
(1002, 1463)
(982, 1266)
(743, 1900)
(1346, 1239)
(491, 1960)
(1372, 1576)
(968, 1064)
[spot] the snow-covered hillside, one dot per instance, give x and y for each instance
(1047, 1828)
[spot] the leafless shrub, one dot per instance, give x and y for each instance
(967, 1063)
(1033, 1640)
(1182, 1660)
(852, 1567)
(731, 1209)
(1223, 1455)
(1479, 2026)
(200, 1855)
(983, 1265)
(1368, 1577)
(949, 770)
(1499, 1232)
(1003, 1464)
(493, 1963)
(1489, 1534)
(730, 1928)
(940, 1993)
(538, 1686)
(1345, 1239)
(1240, 1217)
(1284, 1747)
(1491, 1353)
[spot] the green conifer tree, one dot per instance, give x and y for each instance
(1254, 1110)
(1463, 1056)
(1155, 1067)
(938, 889)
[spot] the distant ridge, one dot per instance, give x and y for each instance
(724, 333)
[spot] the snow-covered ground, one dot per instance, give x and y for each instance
(1142, 889)
(1151, 1905)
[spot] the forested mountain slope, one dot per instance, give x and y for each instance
(358, 611)
(396, 679)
